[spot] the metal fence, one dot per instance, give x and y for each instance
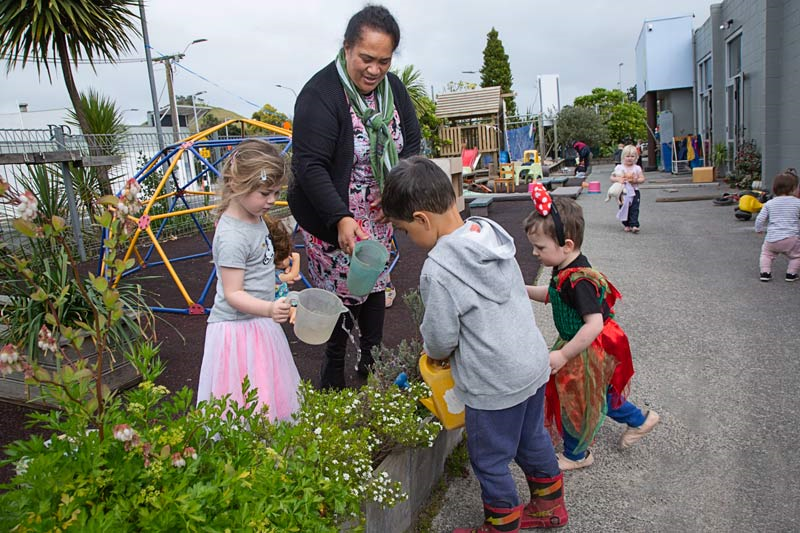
(27, 163)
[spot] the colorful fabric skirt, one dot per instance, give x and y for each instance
(256, 348)
(575, 397)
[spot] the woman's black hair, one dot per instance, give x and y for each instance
(375, 17)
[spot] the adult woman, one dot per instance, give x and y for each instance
(353, 119)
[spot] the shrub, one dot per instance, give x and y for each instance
(148, 460)
(747, 165)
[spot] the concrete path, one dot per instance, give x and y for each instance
(717, 354)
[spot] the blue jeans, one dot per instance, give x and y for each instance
(495, 438)
(627, 413)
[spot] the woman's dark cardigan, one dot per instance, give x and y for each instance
(322, 150)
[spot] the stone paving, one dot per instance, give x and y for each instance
(716, 353)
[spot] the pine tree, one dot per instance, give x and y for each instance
(496, 69)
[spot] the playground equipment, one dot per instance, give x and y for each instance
(196, 151)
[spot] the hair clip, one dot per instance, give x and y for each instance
(264, 176)
(544, 206)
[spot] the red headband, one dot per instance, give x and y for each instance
(544, 206)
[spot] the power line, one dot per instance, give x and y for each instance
(57, 60)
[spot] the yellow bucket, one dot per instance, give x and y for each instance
(444, 403)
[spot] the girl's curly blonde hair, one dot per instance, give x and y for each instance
(253, 165)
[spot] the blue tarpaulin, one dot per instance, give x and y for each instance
(519, 140)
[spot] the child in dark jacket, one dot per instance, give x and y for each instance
(468, 280)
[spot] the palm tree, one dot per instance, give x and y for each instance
(416, 90)
(71, 31)
(105, 121)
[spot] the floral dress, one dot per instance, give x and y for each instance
(327, 264)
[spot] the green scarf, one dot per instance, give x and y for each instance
(382, 151)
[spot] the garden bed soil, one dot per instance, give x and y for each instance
(181, 337)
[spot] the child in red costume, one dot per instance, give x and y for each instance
(591, 360)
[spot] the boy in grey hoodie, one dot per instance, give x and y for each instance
(500, 367)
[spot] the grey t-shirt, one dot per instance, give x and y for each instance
(239, 244)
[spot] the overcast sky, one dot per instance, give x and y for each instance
(252, 46)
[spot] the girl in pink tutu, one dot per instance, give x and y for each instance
(243, 337)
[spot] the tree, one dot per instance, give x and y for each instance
(210, 120)
(581, 124)
(185, 100)
(105, 121)
(632, 94)
(459, 86)
(416, 89)
(496, 69)
(269, 115)
(625, 119)
(627, 122)
(71, 30)
(601, 100)
(424, 107)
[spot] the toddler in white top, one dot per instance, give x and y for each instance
(629, 175)
(780, 218)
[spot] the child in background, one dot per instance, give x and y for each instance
(591, 360)
(287, 263)
(630, 175)
(780, 218)
(468, 280)
(243, 337)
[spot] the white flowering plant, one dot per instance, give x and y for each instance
(163, 465)
(147, 459)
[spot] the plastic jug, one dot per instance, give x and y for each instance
(366, 264)
(317, 313)
(443, 403)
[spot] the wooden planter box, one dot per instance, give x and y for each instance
(418, 470)
(119, 374)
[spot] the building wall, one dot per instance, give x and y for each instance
(663, 54)
(770, 47)
(680, 102)
(782, 105)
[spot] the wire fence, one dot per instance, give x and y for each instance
(28, 162)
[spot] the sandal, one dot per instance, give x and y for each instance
(627, 229)
(635, 229)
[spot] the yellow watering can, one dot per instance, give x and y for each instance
(444, 403)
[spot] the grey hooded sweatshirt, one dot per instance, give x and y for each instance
(478, 311)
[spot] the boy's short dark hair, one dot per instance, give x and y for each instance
(416, 184)
(571, 215)
(785, 183)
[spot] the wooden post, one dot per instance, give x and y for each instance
(58, 133)
(650, 105)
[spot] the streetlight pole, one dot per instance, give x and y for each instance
(129, 109)
(194, 110)
(288, 89)
(619, 78)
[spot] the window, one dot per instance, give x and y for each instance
(704, 111)
(735, 56)
(734, 98)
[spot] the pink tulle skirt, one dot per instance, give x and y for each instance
(256, 348)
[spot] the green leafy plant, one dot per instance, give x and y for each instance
(747, 165)
(148, 460)
(403, 358)
(719, 159)
(164, 465)
(49, 296)
(582, 123)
